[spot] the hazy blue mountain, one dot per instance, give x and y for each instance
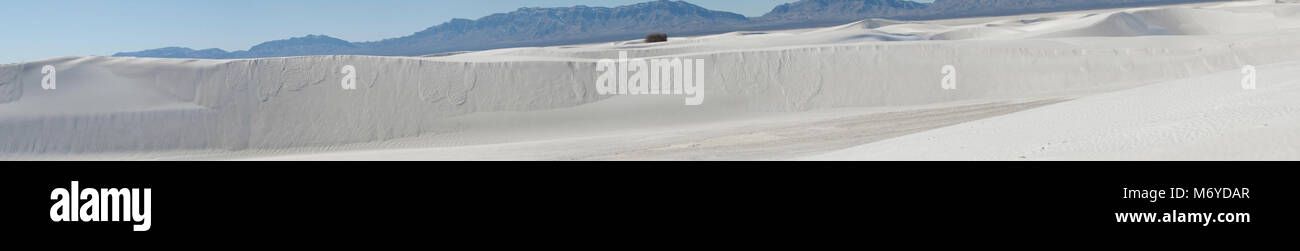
(523, 27)
(831, 12)
(809, 13)
(300, 46)
(973, 8)
(176, 52)
(580, 24)
(548, 26)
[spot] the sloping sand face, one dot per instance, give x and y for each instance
(768, 95)
(1201, 118)
(127, 104)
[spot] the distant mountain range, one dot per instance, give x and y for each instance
(812, 13)
(583, 24)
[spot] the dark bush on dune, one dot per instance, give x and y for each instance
(656, 37)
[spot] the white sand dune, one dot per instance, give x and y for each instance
(1202, 118)
(1144, 83)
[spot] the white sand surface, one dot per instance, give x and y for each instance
(1143, 83)
(1202, 118)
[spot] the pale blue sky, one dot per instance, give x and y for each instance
(49, 28)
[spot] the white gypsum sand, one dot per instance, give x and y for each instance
(1202, 118)
(1142, 83)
